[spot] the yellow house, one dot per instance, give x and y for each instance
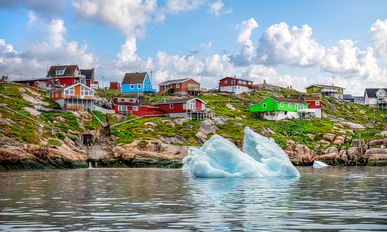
(326, 90)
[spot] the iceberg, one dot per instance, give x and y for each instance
(319, 164)
(218, 157)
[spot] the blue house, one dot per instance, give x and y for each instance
(137, 83)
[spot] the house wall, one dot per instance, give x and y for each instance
(314, 104)
(177, 108)
(234, 89)
(179, 88)
(280, 115)
(139, 112)
(234, 82)
(267, 105)
(115, 85)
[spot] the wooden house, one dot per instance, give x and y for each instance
(184, 107)
(376, 97)
(137, 83)
(115, 85)
(180, 87)
(326, 90)
(65, 75)
(90, 80)
(235, 85)
(132, 105)
(281, 108)
(314, 104)
(74, 97)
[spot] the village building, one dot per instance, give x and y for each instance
(128, 105)
(115, 85)
(90, 80)
(376, 97)
(314, 105)
(180, 87)
(193, 107)
(65, 75)
(358, 99)
(74, 97)
(235, 85)
(326, 90)
(137, 83)
(282, 108)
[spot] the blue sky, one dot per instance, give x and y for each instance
(202, 39)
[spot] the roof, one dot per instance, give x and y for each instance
(176, 100)
(282, 99)
(327, 86)
(311, 98)
(70, 69)
(134, 78)
(88, 73)
(170, 82)
(70, 86)
(347, 97)
(235, 79)
(371, 93)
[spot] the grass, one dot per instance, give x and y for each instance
(70, 120)
(53, 142)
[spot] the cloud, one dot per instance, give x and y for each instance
(37, 58)
(46, 9)
(217, 8)
(247, 49)
(379, 37)
(294, 46)
(177, 6)
(128, 16)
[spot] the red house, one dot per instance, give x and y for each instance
(181, 107)
(314, 103)
(127, 105)
(235, 85)
(115, 85)
(65, 75)
(90, 78)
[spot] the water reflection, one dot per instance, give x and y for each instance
(150, 199)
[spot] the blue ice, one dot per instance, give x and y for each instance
(218, 157)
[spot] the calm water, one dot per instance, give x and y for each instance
(157, 199)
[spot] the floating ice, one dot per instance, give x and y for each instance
(319, 164)
(218, 157)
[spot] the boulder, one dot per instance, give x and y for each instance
(324, 143)
(329, 137)
(383, 133)
(206, 127)
(377, 143)
(169, 123)
(181, 121)
(230, 106)
(219, 120)
(299, 154)
(354, 126)
(339, 140)
(151, 124)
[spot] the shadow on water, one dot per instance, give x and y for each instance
(119, 199)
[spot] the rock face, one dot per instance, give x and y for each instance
(299, 154)
(206, 127)
(377, 156)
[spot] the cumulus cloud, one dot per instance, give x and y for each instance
(38, 57)
(128, 16)
(245, 44)
(177, 6)
(293, 46)
(379, 36)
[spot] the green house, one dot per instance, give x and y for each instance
(270, 104)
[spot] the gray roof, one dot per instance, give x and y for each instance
(176, 100)
(174, 81)
(134, 78)
(347, 97)
(326, 86)
(371, 93)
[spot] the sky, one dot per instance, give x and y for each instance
(287, 43)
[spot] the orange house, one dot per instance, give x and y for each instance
(75, 97)
(180, 87)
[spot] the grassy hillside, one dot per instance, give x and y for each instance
(233, 110)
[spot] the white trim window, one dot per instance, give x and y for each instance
(282, 105)
(131, 86)
(171, 106)
(122, 108)
(177, 85)
(264, 105)
(225, 81)
(139, 86)
(317, 103)
(135, 108)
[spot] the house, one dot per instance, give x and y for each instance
(314, 105)
(282, 108)
(235, 85)
(358, 100)
(65, 75)
(348, 98)
(326, 90)
(184, 107)
(74, 97)
(376, 97)
(137, 83)
(90, 78)
(115, 85)
(180, 87)
(131, 105)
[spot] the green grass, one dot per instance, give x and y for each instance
(53, 142)
(71, 121)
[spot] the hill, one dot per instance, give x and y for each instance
(336, 138)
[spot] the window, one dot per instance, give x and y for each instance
(122, 99)
(131, 86)
(60, 71)
(138, 86)
(177, 85)
(184, 106)
(317, 103)
(281, 104)
(264, 105)
(225, 81)
(122, 108)
(171, 106)
(66, 92)
(135, 108)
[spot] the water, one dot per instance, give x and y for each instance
(157, 199)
